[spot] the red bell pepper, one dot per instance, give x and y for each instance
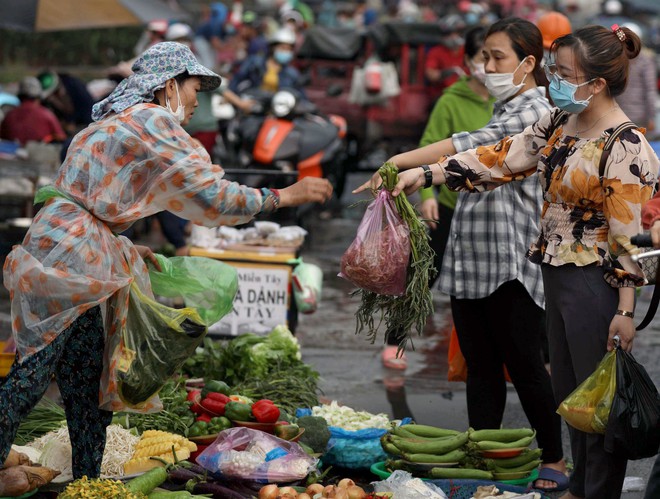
(213, 406)
(265, 411)
(204, 417)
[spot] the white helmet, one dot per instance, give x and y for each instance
(283, 35)
(178, 31)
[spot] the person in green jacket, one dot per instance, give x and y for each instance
(465, 105)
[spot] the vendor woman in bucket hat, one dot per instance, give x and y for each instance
(133, 161)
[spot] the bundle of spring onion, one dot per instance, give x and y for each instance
(45, 417)
(403, 313)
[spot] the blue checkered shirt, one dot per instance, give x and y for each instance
(492, 231)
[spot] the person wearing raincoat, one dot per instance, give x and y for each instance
(72, 268)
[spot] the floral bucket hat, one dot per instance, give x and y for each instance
(151, 70)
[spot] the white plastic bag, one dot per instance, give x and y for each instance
(402, 484)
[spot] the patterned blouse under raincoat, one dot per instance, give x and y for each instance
(585, 219)
(118, 170)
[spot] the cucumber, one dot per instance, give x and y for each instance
(523, 467)
(461, 473)
(422, 430)
(148, 482)
(512, 462)
(492, 445)
(430, 446)
(455, 456)
(503, 435)
(389, 447)
(401, 431)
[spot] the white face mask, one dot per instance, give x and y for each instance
(180, 113)
(501, 86)
(478, 71)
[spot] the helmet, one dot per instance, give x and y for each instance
(283, 35)
(158, 26)
(552, 26)
(177, 31)
(29, 87)
(49, 82)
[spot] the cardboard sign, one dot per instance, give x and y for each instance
(262, 300)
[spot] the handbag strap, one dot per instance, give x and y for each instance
(653, 306)
(607, 148)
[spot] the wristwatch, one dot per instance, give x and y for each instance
(625, 313)
(428, 176)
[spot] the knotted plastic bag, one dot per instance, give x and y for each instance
(588, 407)
(377, 260)
(247, 454)
(307, 280)
(633, 429)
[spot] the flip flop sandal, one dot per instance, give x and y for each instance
(552, 475)
(391, 361)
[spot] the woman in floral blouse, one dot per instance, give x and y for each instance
(584, 247)
(135, 160)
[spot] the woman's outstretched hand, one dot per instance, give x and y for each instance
(372, 184)
(307, 190)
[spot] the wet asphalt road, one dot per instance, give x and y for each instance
(350, 365)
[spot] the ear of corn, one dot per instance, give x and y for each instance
(160, 445)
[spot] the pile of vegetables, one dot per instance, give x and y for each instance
(410, 311)
(55, 448)
(175, 417)
(47, 416)
(345, 489)
(346, 418)
(259, 367)
(477, 455)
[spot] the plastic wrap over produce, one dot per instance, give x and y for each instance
(249, 454)
(402, 484)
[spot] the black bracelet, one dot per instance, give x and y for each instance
(428, 176)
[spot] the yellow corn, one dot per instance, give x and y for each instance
(156, 449)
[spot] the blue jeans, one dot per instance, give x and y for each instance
(75, 358)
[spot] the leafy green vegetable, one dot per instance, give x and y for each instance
(317, 435)
(404, 313)
(175, 417)
(46, 416)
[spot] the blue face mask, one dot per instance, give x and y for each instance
(562, 93)
(283, 57)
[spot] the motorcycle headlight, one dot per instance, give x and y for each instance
(283, 103)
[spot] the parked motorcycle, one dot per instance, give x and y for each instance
(284, 133)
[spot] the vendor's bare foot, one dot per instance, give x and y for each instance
(549, 484)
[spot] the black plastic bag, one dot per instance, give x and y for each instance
(633, 429)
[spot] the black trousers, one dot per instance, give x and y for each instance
(579, 308)
(438, 242)
(507, 328)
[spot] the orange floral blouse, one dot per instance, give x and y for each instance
(585, 219)
(118, 170)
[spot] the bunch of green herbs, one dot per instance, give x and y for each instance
(45, 417)
(175, 417)
(401, 314)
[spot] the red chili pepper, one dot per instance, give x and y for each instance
(215, 407)
(220, 397)
(194, 396)
(265, 412)
(204, 417)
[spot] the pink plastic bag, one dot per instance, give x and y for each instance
(377, 260)
(249, 454)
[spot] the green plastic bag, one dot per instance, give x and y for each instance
(588, 407)
(207, 285)
(307, 282)
(155, 343)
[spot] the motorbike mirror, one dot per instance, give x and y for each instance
(334, 90)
